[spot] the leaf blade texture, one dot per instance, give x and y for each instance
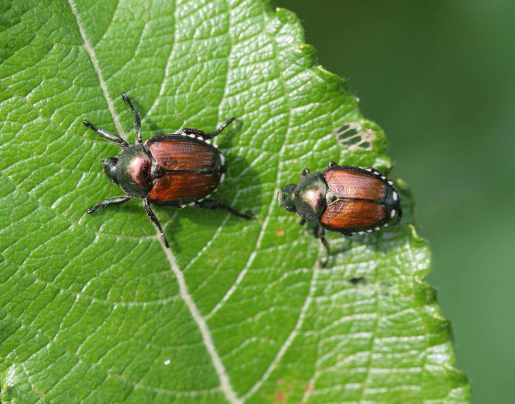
(93, 309)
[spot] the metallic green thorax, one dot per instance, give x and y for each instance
(133, 171)
(307, 198)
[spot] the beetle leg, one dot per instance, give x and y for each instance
(106, 135)
(302, 221)
(152, 216)
(325, 243)
(137, 120)
(212, 204)
(399, 216)
(332, 164)
(304, 172)
(117, 200)
(216, 132)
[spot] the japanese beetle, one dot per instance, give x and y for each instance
(177, 169)
(346, 199)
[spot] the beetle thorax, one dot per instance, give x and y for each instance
(133, 171)
(310, 198)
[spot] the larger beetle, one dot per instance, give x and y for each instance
(176, 170)
(346, 199)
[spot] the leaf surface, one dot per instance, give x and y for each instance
(93, 309)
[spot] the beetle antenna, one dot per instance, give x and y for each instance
(137, 120)
(106, 135)
(216, 132)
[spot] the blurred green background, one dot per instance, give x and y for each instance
(439, 78)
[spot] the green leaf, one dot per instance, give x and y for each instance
(93, 309)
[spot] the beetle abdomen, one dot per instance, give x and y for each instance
(353, 215)
(181, 153)
(355, 185)
(360, 199)
(182, 188)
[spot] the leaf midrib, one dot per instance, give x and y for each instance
(225, 385)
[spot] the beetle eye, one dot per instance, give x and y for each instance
(110, 169)
(285, 198)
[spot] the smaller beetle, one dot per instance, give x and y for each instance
(175, 170)
(346, 199)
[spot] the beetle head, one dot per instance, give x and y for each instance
(110, 169)
(285, 198)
